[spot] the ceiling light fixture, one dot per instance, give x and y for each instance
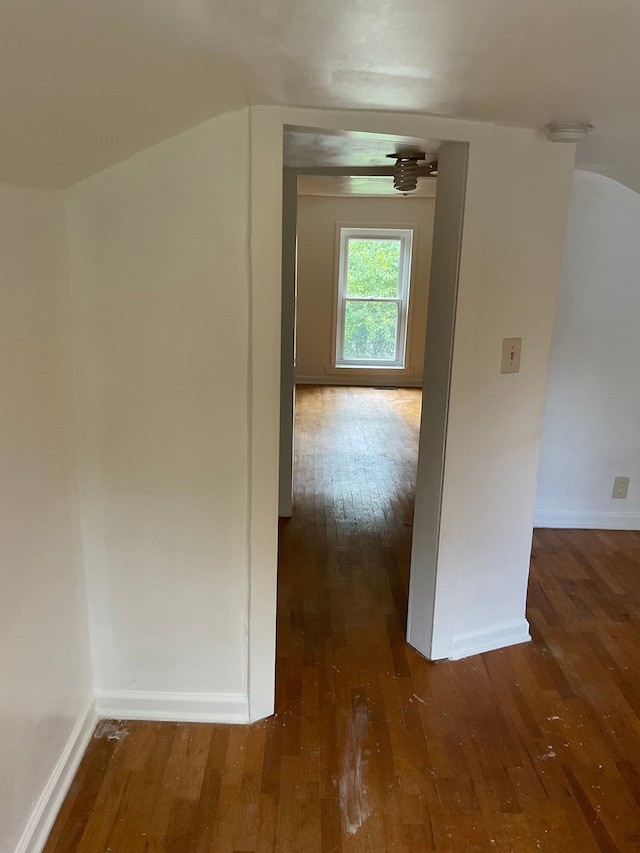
(568, 132)
(405, 171)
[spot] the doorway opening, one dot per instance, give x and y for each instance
(325, 391)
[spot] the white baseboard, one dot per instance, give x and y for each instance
(173, 707)
(488, 639)
(588, 520)
(362, 381)
(48, 805)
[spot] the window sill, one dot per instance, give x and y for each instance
(342, 369)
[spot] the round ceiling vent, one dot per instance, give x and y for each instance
(568, 132)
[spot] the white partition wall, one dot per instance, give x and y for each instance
(515, 215)
(176, 275)
(160, 276)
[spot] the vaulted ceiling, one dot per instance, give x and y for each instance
(85, 83)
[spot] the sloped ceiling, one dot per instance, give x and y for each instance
(85, 83)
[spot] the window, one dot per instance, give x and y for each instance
(373, 295)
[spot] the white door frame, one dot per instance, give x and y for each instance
(431, 594)
(431, 636)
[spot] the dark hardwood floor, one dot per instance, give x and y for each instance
(372, 748)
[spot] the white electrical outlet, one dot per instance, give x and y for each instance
(510, 362)
(620, 487)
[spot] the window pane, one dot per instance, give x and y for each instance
(373, 267)
(370, 330)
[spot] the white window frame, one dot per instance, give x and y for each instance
(405, 236)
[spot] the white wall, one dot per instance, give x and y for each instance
(175, 268)
(317, 218)
(489, 493)
(45, 680)
(176, 336)
(517, 197)
(160, 281)
(591, 432)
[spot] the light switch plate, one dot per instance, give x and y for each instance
(510, 362)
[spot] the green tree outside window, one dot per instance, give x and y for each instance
(370, 328)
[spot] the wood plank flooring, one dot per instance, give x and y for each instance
(372, 748)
